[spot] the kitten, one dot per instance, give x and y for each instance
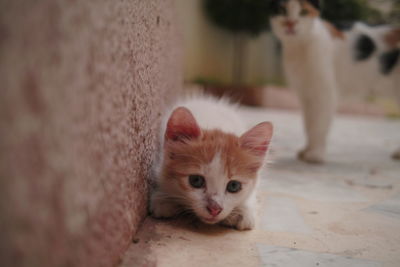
(319, 60)
(209, 164)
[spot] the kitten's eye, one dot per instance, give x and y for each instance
(197, 181)
(234, 186)
(304, 12)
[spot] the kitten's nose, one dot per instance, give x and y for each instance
(213, 208)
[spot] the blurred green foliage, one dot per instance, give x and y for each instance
(239, 16)
(338, 11)
(394, 15)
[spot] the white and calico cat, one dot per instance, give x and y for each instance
(308, 53)
(370, 54)
(319, 60)
(209, 164)
(366, 57)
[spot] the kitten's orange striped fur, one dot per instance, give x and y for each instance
(210, 164)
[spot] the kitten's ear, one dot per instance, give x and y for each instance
(257, 138)
(315, 3)
(182, 125)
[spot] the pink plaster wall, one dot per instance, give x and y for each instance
(82, 84)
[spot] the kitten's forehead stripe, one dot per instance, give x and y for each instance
(216, 164)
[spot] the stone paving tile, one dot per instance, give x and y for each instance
(390, 207)
(282, 215)
(289, 257)
(314, 187)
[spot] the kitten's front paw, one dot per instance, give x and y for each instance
(161, 208)
(244, 221)
(311, 156)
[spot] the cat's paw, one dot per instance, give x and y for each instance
(246, 223)
(311, 156)
(161, 208)
(243, 221)
(396, 155)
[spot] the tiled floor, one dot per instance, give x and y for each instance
(343, 213)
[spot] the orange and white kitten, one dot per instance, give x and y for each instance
(209, 163)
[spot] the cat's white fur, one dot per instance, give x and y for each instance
(318, 66)
(362, 75)
(167, 198)
(366, 74)
(210, 113)
(308, 63)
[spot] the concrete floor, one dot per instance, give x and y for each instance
(343, 213)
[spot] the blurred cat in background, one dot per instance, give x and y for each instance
(209, 163)
(319, 60)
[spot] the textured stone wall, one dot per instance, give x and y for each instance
(82, 84)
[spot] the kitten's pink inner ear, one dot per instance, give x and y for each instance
(257, 138)
(182, 125)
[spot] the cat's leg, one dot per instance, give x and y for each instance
(242, 217)
(161, 206)
(318, 112)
